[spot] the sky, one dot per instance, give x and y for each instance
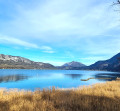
(60, 31)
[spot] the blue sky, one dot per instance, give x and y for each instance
(59, 31)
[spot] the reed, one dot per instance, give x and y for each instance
(96, 78)
(98, 97)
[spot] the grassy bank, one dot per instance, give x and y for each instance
(99, 97)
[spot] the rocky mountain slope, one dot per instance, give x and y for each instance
(8, 61)
(16, 62)
(72, 65)
(112, 64)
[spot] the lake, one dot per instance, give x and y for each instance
(32, 79)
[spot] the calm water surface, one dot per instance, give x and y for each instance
(32, 79)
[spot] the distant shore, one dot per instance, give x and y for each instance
(57, 69)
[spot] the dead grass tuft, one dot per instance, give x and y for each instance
(99, 97)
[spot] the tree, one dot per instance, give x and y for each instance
(116, 3)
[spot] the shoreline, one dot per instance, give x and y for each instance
(61, 69)
(97, 97)
(60, 89)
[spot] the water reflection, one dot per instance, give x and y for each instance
(12, 78)
(31, 79)
(74, 76)
(103, 76)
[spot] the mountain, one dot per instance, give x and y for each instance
(72, 65)
(17, 62)
(112, 64)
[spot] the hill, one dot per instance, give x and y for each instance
(112, 64)
(72, 65)
(17, 62)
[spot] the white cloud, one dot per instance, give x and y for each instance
(27, 45)
(49, 51)
(11, 40)
(56, 63)
(64, 23)
(57, 20)
(108, 46)
(94, 58)
(46, 48)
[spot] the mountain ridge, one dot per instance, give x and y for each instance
(74, 65)
(17, 62)
(112, 64)
(9, 61)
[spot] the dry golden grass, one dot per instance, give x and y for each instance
(99, 97)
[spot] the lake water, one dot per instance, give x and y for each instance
(32, 79)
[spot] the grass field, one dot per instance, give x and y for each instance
(99, 97)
